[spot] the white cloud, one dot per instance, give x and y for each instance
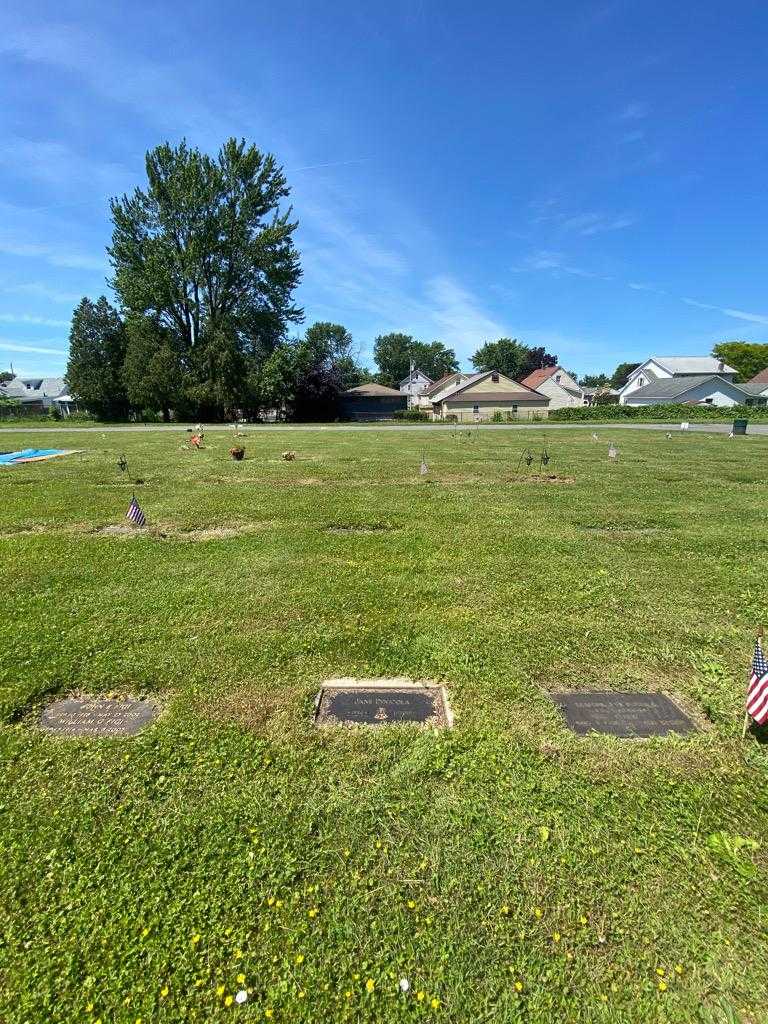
(634, 111)
(25, 318)
(20, 346)
(43, 291)
(56, 255)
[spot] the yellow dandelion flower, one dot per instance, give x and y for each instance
(678, 968)
(435, 1004)
(411, 904)
(346, 853)
(518, 986)
(537, 911)
(662, 986)
(241, 979)
(370, 985)
(144, 932)
(582, 920)
(195, 939)
(163, 991)
(302, 994)
(378, 844)
(603, 998)
(313, 912)
(300, 958)
(556, 936)
(423, 863)
(89, 1007)
(420, 996)
(220, 990)
(238, 954)
(505, 909)
(348, 994)
(660, 971)
(271, 901)
(356, 977)
(229, 1000)
(269, 1013)
(198, 982)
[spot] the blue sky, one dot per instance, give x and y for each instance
(588, 176)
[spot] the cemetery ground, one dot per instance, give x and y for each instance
(502, 870)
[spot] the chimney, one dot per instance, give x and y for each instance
(720, 366)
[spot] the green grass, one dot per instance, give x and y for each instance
(139, 877)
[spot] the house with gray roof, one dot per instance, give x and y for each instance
(35, 394)
(660, 379)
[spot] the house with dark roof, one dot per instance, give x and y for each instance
(658, 369)
(479, 396)
(691, 389)
(563, 391)
(371, 402)
(35, 394)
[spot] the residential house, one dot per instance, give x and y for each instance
(371, 402)
(757, 389)
(480, 395)
(38, 394)
(414, 387)
(563, 391)
(691, 369)
(445, 384)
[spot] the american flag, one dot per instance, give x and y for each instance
(757, 692)
(135, 514)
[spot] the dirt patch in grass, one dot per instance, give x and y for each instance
(24, 531)
(255, 709)
(540, 478)
(175, 534)
(361, 528)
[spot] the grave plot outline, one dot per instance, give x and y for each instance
(375, 702)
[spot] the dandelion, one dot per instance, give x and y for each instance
(404, 985)
(678, 968)
(348, 994)
(582, 920)
(313, 912)
(370, 985)
(660, 971)
(241, 979)
(505, 909)
(220, 990)
(537, 912)
(89, 1007)
(270, 901)
(300, 958)
(229, 1000)
(302, 994)
(378, 844)
(346, 853)
(241, 996)
(269, 1013)
(423, 863)
(411, 904)
(518, 986)
(195, 939)
(435, 1004)
(163, 991)
(420, 996)
(198, 982)
(662, 986)
(556, 936)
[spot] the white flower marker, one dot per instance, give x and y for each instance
(404, 984)
(241, 996)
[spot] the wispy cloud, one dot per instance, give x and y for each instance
(26, 318)
(735, 314)
(597, 223)
(43, 291)
(635, 111)
(56, 255)
(20, 346)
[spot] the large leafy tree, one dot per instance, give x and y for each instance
(152, 370)
(206, 250)
(511, 357)
(621, 373)
(594, 380)
(746, 357)
(97, 346)
(395, 352)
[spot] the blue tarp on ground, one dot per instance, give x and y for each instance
(11, 458)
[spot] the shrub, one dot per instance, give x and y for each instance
(498, 417)
(667, 413)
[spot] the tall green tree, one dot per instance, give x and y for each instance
(207, 250)
(746, 357)
(394, 353)
(511, 357)
(621, 373)
(152, 369)
(97, 346)
(595, 380)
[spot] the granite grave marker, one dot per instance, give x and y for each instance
(623, 714)
(97, 716)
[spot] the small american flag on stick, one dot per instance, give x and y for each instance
(757, 691)
(135, 514)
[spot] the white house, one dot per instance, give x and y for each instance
(665, 368)
(559, 386)
(447, 383)
(415, 386)
(698, 389)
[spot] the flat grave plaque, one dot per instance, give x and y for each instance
(623, 714)
(97, 716)
(381, 705)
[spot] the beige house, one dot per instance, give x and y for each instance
(480, 395)
(563, 391)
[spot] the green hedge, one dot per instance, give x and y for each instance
(668, 413)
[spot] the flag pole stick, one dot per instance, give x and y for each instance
(746, 713)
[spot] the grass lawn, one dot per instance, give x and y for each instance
(510, 870)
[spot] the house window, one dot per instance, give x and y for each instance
(514, 407)
(495, 378)
(708, 401)
(558, 377)
(475, 409)
(641, 381)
